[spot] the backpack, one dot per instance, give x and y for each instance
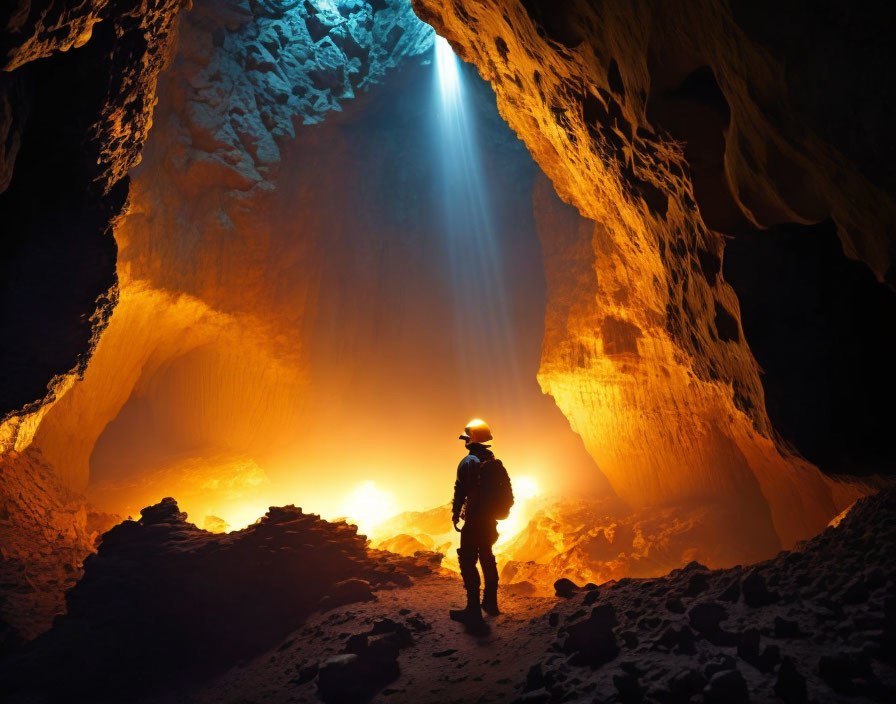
(495, 492)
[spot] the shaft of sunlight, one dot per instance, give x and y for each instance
(485, 335)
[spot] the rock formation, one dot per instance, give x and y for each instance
(814, 624)
(76, 99)
(162, 596)
(668, 127)
(71, 133)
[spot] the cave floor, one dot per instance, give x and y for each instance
(444, 664)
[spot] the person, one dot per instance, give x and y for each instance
(480, 529)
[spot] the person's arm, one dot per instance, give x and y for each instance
(460, 493)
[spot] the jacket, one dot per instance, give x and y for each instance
(467, 483)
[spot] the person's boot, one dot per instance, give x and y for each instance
(490, 577)
(490, 601)
(470, 615)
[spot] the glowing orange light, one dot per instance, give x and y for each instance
(368, 506)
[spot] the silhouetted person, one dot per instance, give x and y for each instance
(482, 496)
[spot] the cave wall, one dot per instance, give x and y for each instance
(76, 96)
(64, 183)
(668, 127)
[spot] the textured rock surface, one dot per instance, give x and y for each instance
(665, 126)
(815, 624)
(64, 180)
(45, 534)
(162, 596)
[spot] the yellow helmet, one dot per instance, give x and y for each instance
(477, 430)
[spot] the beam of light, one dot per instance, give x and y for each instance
(448, 71)
(485, 336)
(368, 506)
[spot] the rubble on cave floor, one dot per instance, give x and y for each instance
(163, 601)
(813, 624)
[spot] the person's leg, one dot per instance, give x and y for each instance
(467, 555)
(489, 571)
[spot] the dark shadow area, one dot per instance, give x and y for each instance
(693, 111)
(57, 252)
(824, 332)
(164, 602)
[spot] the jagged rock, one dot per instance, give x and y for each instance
(628, 687)
(534, 678)
(728, 687)
(58, 209)
(785, 628)
(593, 639)
(790, 686)
(346, 592)
(369, 663)
(705, 617)
(686, 684)
(565, 588)
(675, 605)
(755, 591)
(834, 649)
(198, 598)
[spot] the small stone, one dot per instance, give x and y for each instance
(791, 685)
(356, 644)
(697, 584)
(756, 592)
(534, 678)
(727, 687)
(675, 605)
(593, 639)
(724, 662)
(686, 684)
(628, 687)
(732, 592)
(707, 615)
(785, 628)
(748, 645)
(565, 588)
(347, 591)
(856, 592)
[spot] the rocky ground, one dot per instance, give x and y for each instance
(816, 624)
(163, 602)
